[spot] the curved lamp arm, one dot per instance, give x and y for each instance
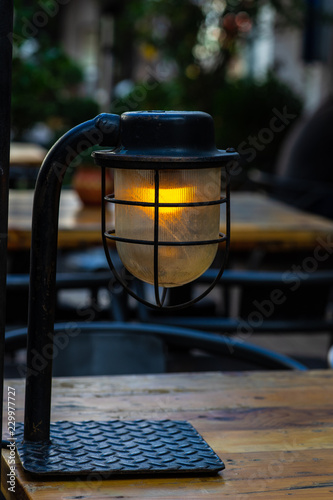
(104, 130)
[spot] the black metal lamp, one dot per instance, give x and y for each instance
(167, 216)
(167, 179)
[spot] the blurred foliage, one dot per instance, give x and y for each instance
(45, 80)
(186, 51)
(195, 31)
(197, 42)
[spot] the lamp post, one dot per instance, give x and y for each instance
(6, 29)
(161, 162)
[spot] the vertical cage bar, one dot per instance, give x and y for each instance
(103, 219)
(156, 233)
(227, 192)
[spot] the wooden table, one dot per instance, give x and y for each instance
(273, 430)
(26, 154)
(25, 161)
(256, 222)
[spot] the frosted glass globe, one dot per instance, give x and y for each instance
(177, 265)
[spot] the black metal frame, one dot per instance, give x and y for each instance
(103, 130)
(119, 449)
(110, 234)
(6, 30)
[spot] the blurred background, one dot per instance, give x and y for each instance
(238, 60)
(262, 68)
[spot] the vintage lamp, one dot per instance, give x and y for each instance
(167, 197)
(167, 203)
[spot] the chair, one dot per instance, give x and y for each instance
(269, 301)
(105, 348)
(261, 302)
(17, 290)
(303, 176)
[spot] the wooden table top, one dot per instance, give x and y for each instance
(256, 221)
(273, 430)
(26, 154)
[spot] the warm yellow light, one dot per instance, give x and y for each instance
(166, 195)
(177, 265)
(169, 195)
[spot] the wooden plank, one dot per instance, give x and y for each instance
(26, 154)
(274, 431)
(266, 222)
(256, 476)
(177, 393)
(256, 221)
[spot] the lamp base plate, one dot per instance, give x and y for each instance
(117, 448)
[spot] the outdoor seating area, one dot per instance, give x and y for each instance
(166, 250)
(273, 248)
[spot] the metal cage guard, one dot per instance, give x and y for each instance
(156, 205)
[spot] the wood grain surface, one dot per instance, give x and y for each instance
(26, 154)
(273, 430)
(256, 221)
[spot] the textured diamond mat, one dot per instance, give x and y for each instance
(119, 447)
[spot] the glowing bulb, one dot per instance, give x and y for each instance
(169, 195)
(177, 265)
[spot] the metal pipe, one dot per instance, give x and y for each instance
(103, 131)
(6, 29)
